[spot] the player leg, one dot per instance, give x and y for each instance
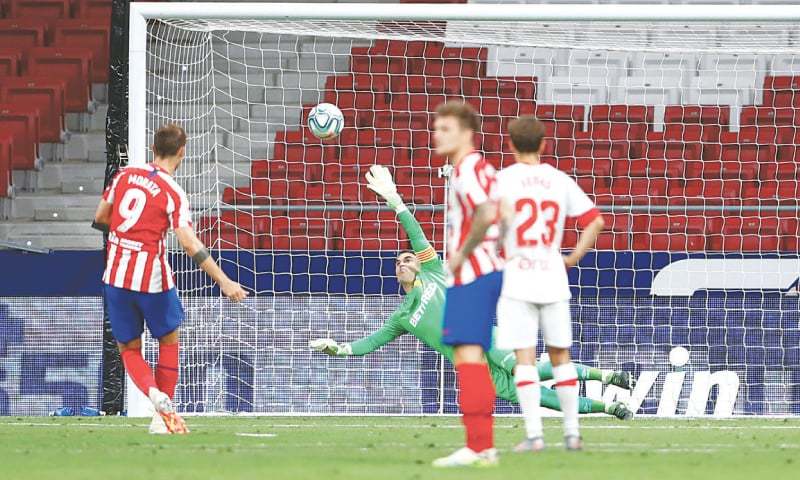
(164, 315)
(557, 331)
(506, 360)
(127, 326)
(517, 328)
(468, 317)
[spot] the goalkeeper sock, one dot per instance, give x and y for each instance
(167, 369)
(527, 379)
(476, 400)
(588, 373)
(567, 389)
(138, 370)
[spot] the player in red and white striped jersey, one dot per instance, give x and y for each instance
(536, 198)
(139, 207)
(474, 279)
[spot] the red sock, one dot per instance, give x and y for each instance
(138, 370)
(476, 399)
(167, 369)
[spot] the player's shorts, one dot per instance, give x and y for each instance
(518, 324)
(128, 311)
(470, 311)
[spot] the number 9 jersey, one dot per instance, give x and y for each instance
(540, 197)
(146, 203)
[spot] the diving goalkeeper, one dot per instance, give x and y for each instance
(422, 276)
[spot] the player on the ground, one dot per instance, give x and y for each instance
(535, 200)
(421, 274)
(474, 279)
(139, 207)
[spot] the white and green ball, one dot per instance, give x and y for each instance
(326, 121)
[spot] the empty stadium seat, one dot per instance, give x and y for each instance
(371, 155)
(22, 123)
(92, 9)
(44, 94)
(89, 33)
(374, 231)
(39, 9)
(22, 32)
(615, 235)
(746, 234)
(74, 65)
(523, 61)
(782, 91)
(308, 232)
(10, 60)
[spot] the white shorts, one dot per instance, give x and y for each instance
(518, 324)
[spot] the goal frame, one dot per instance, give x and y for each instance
(141, 12)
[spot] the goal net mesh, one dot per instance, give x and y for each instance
(683, 134)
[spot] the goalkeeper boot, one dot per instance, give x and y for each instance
(534, 445)
(620, 410)
(573, 443)
(157, 426)
(164, 408)
(466, 457)
(622, 379)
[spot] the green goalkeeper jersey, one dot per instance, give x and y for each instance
(422, 310)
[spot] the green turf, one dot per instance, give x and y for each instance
(380, 448)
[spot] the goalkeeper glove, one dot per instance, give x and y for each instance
(330, 347)
(379, 180)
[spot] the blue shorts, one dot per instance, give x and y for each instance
(470, 311)
(128, 311)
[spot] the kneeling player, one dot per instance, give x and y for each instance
(139, 206)
(535, 199)
(422, 277)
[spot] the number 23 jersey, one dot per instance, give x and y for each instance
(540, 197)
(146, 203)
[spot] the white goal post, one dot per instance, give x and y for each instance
(680, 120)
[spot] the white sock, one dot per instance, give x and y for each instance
(566, 378)
(526, 377)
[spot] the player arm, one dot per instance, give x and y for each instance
(388, 332)
(421, 246)
(589, 220)
(102, 216)
(195, 249)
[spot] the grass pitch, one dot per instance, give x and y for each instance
(381, 448)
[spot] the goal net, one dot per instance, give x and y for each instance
(683, 133)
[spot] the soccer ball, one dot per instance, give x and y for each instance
(326, 121)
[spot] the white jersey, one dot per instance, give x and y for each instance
(541, 197)
(471, 184)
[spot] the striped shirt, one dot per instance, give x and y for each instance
(471, 184)
(146, 202)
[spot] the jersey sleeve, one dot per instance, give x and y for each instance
(388, 332)
(421, 246)
(579, 205)
(110, 192)
(178, 209)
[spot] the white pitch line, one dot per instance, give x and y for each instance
(259, 435)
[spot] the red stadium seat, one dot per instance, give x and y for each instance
(374, 231)
(416, 102)
(23, 124)
(299, 233)
(615, 236)
(10, 61)
(654, 168)
(748, 234)
(43, 94)
(92, 9)
(767, 116)
(521, 88)
(640, 191)
(669, 242)
(40, 9)
(402, 120)
(782, 92)
(306, 153)
(375, 60)
(74, 65)
(373, 155)
(23, 32)
(90, 33)
(561, 121)
(360, 81)
(790, 234)
(6, 157)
